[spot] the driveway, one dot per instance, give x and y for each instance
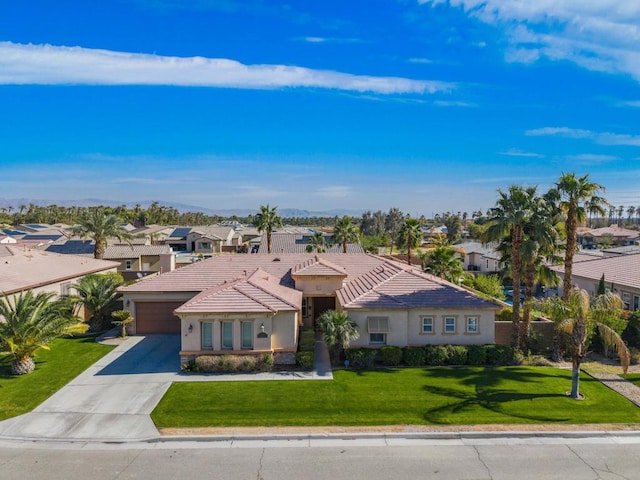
(111, 400)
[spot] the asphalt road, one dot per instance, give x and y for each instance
(520, 459)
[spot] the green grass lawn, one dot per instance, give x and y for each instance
(411, 396)
(67, 358)
(633, 378)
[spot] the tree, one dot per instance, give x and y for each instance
(344, 231)
(578, 316)
(99, 227)
(410, 236)
(122, 318)
(317, 243)
(575, 196)
(30, 321)
(267, 220)
(443, 262)
(454, 228)
(601, 286)
(392, 224)
(98, 293)
(338, 331)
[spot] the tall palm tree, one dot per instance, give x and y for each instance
(410, 235)
(98, 293)
(576, 316)
(345, 231)
(575, 195)
(443, 262)
(317, 243)
(100, 227)
(30, 321)
(267, 219)
(508, 220)
(338, 331)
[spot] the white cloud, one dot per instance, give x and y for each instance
(598, 35)
(514, 152)
(334, 191)
(315, 39)
(420, 60)
(601, 138)
(592, 158)
(54, 65)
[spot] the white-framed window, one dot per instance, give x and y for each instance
(64, 289)
(636, 302)
(449, 324)
(626, 299)
(472, 325)
(378, 338)
(127, 264)
(246, 334)
(378, 327)
(227, 335)
(427, 325)
(206, 336)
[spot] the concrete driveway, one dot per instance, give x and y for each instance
(111, 400)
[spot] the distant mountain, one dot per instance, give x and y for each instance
(15, 204)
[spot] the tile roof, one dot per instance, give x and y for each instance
(317, 266)
(297, 243)
(613, 231)
(622, 270)
(22, 268)
(116, 252)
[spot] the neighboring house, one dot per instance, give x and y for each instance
(282, 242)
(6, 239)
(608, 236)
(621, 275)
(153, 234)
(213, 239)
(480, 258)
(24, 269)
(255, 303)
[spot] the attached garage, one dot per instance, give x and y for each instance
(157, 317)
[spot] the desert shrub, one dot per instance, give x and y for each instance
(476, 355)
(361, 357)
(305, 359)
(266, 362)
(456, 355)
(538, 361)
(503, 355)
(190, 366)
(307, 341)
(414, 356)
(232, 363)
(391, 355)
(436, 355)
(635, 356)
(631, 333)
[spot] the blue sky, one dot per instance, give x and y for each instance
(424, 105)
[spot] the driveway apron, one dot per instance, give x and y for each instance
(111, 401)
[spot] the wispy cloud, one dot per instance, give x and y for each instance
(592, 158)
(426, 61)
(54, 65)
(601, 36)
(514, 152)
(334, 191)
(329, 40)
(601, 138)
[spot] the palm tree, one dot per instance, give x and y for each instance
(338, 331)
(576, 316)
(30, 321)
(122, 318)
(443, 262)
(508, 220)
(345, 231)
(99, 227)
(410, 235)
(575, 195)
(266, 220)
(98, 293)
(317, 243)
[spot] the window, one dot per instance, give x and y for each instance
(378, 338)
(636, 302)
(127, 264)
(472, 324)
(378, 325)
(206, 336)
(449, 325)
(64, 288)
(427, 324)
(227, 335)
(626, 299)
(205, 245)
(247, 335)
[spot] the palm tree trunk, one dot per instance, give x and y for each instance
(529, 280)
(22, 365)
(516, 266)
(268, 242)
(575, 380)
(567, 283)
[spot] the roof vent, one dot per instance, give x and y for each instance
(276, 259)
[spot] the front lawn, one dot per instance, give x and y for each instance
(67, 358)
(411, 396)
(633, 378)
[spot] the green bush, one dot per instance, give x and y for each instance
(476, 355)
(361, 357)
(230, 363)
(391, 355)
(456, 355)
(414, 356)
(307, 340)
(503, 355)
(505, 315)
(305, 359)
(490, 285)
(436, 355)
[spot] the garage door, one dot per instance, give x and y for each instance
(157, 317)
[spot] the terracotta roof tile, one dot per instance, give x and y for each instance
(622, 270)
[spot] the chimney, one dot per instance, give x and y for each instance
(167, 262)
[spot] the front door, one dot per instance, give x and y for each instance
(322, 304)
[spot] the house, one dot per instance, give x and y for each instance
(608, 236)
(285, 242)
(480, 258)
(24, 269)
(6, 239)
(621, 275)
(255, 303)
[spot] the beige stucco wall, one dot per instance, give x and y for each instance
(625, 292)
(318, 286)
(405, 327)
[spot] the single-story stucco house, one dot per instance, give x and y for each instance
(256, 303)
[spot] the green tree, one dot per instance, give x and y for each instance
(601, 286)
(122, 318)
(100, 227)
(317, 243)
(410, 236)
(443, 262)
(338, 331)
(393, 223)
(267, 219)
(29, 322)
(98, 293)
(578, 316)
(345, 231)
(576, 195)
(490, 285)
(454, 228)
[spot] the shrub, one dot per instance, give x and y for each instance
(267, 362)
(503, 355)
(631, 333)
(307, 341)
(635, 356)
(305, 359)
(436, 355)
(456, 355)
(476, 355)
(505, 315)
(231, 363)
(190, 366)
(490, 285)
(391, 355)
(538, 361)
(361, 357)
(414, 356)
